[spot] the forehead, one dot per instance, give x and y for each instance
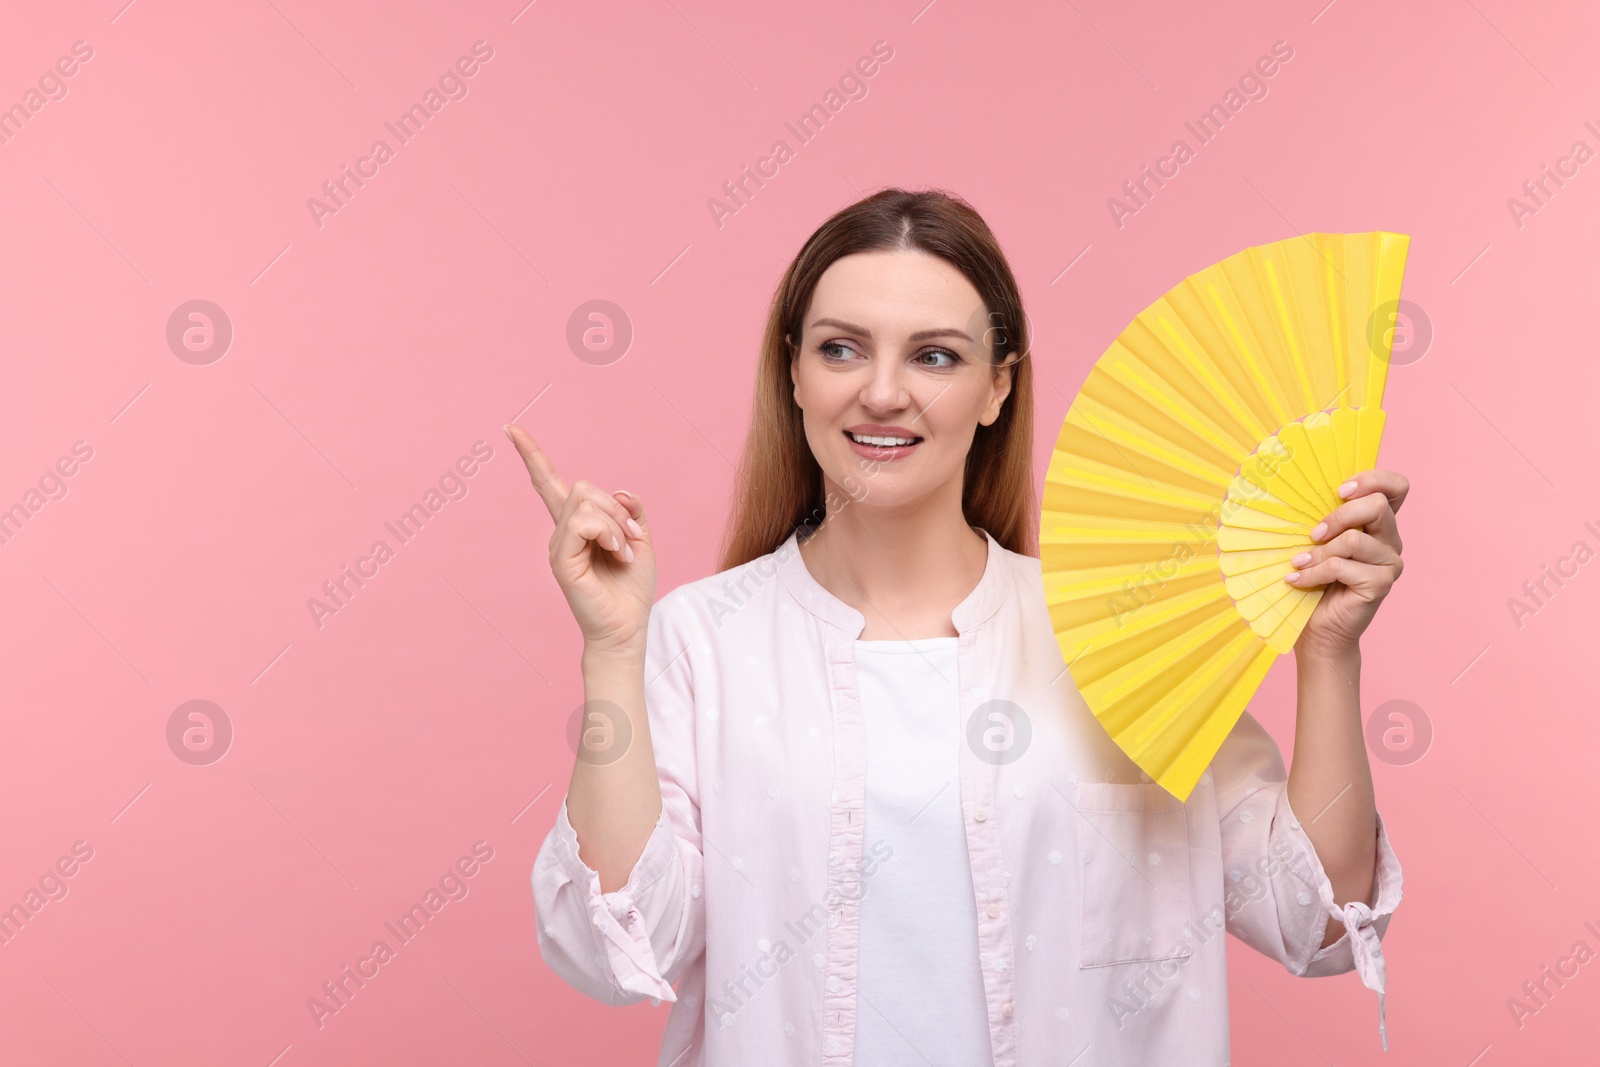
(895, 293)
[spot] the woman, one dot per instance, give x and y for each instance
(845, 794)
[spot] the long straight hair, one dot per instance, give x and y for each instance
(780, 487)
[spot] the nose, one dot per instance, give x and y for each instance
(885, 388)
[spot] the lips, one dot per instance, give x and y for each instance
(882, 436)
(883, 452)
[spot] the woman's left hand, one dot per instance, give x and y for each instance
(1358, 560)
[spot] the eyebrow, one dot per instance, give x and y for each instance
(920, 335)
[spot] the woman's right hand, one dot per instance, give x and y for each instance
(600, 553)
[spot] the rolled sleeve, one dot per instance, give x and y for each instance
(1357, 948)
(632, 943)
(610, 946)
(1279, 897)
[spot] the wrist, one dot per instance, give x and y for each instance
(629, 652)
(1314, 654)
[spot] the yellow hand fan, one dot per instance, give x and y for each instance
(1205, 445)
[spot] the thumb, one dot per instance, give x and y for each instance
(635, 508)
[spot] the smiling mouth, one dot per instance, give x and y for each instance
(875, 441)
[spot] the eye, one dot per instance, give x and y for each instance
(951, 358)
(827, 348)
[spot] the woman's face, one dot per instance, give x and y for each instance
(893, 347)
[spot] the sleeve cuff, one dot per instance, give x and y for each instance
(624, 935)
(1359, 947)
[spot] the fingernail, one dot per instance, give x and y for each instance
(1347, 488)
(1292, 576)
(1321, 528)
(635, 529)
(627, 552)
(1301, 560)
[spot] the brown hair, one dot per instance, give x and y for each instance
(780, 486)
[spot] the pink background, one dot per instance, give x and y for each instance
(371, 353)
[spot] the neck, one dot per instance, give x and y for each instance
(904, 568)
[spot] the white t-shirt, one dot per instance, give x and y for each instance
(919, 992)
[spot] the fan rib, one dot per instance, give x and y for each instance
(1223, 390)
(1259, 374)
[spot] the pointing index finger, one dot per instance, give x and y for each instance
(546, 482)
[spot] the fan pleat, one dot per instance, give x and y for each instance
(1127, 438)
(1244, 493)
(1250, 518)
(1256, 279)
(1303, 471)
(1267, 474)
(1114, 671)
(1191, 334)
(1224, 302)
(1150, 383)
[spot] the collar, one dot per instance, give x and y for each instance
(978, 606)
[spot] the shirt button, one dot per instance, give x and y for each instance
(980, 815)
(1006, 1011)
(994, 912)
(1304, 898)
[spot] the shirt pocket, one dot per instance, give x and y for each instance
(1133, 843)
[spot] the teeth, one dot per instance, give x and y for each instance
(881, 442)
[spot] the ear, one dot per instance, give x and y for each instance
(1002, 389)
